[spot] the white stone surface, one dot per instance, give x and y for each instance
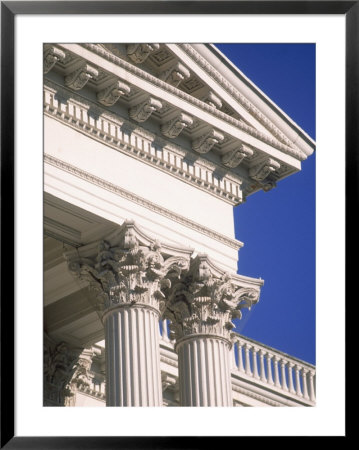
(181, 191)
(132, 357)
(204, 374)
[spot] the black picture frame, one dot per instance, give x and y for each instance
(8, 12)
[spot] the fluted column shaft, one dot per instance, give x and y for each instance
(204, 371)
(201, 305)
(132, 356)
(127, 272)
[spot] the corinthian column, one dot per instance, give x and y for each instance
(128, 271)
(201, 305)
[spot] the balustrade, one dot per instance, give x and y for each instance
(264, 364)
(268, 366)
(272, 367)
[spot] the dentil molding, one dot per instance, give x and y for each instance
(110, 130)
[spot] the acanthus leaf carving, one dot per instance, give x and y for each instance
(59, 366)
(175, 126)
(128, 273)
(78, 78)
(82, 375)
(199, 302)
(138, 53)
(112, 93)
(143, 110)
(204, 143)
(51, 56)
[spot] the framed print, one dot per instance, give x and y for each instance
(121, 165)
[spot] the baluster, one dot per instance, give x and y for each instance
(261, 359)
(276, 371)
(248, 364)
(255, 365)
(304, 381)
(297, 381)
(269, 368)
(165, 330)
(233, 353)
(283, 363)
(311, 385)
(290, 377)
(240, 357)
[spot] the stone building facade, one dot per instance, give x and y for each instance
(147, 149)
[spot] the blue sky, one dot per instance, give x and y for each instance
(278, 227)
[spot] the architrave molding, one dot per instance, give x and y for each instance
(233, 243)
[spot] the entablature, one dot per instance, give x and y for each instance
(148, 89)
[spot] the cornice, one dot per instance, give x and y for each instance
(253, 110)
(287, 147)
(232, 243)
(170, 159)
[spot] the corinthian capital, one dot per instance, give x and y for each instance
(203, 301)
(126, 269)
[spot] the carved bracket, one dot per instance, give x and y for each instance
(204, 143)
(212, 100)
(176, 74)
(77, 79)
(143, 110)
(138, 53)
(51, 56)
(234, 157)
(175, 126)
(262, 170)
(112, 93)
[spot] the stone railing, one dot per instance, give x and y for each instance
(96, 390)
(253, 363)
(268, 368)
(265, 365)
